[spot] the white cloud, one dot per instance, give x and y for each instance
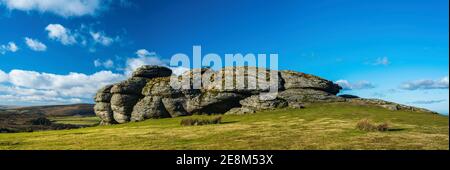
(65, 8)
(346, 85)
(382, 61)
(107, 64)
(10, 47)
(428, 101)
(426, 84)
(101, 38)
(144, 58)
(143, 53)
(31, 86)
(35, 44)
(3, 76)
(60, 33)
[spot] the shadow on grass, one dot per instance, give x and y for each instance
(396, 129)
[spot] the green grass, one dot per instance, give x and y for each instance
(319, 126)
(76, 120)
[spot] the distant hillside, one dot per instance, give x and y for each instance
(54, 110)
(19, 119)
(7, 107)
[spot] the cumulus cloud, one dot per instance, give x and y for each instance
(145, 57)
(32, 86)
(144, 53)
(3, 76)
(101, 38)
(84, 36)
(35, 45)
(427, 101)
(107, 64)
(64, 8)
(60, 33)
(10, 47)
(426, 84)
(382, 61)
(346, 85)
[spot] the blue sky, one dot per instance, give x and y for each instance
(60, 52)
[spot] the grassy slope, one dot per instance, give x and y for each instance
(76, 120)
(320, 126)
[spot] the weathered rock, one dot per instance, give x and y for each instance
(103, 97)
(106, 89)
(175, 106)
(133, 85)
(387, 105)
(240, 111)
(296, 96)
(216, 102)
(152, 71)
(104, 94)
(160, 87)
(250, 80)
(149, 94)
(122, 106)
(255, 103)
(393, 107)
(297, 80)
(149, 107)
(104, 112)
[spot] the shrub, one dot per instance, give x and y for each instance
(41, 121)
(367, 125)
(196, 121)
(383, 127)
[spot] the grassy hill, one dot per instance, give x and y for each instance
(20, 119)
(51, 110)
(319, 126)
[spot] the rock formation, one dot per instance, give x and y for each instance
(148, 94)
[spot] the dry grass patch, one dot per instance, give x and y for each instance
(368, 125)
(199, 121)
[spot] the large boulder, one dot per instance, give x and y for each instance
(133, 86)
(250, 80)
(297, 80)
(257, 103)
(175, 106)
(149, 107)
(148, 93)
(160, 87)
(104, 112)
(104, 94)
(387, 105)
(299, 96)
(217, 102)
(151, 71)
(122, 106)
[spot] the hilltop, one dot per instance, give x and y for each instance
(20, 119)
(151, 93)
(317, 126)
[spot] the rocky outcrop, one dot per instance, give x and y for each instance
(387, 105)
(149, 94)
